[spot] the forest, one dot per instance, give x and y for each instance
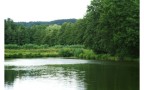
(109, 27)
(58, 22)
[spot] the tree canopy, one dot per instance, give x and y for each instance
(109, 26)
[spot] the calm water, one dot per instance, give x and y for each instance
(70, 74)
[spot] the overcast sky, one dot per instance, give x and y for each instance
(44, 10)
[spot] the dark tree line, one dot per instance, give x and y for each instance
(110, 26)
(64, 34)
(58, 22)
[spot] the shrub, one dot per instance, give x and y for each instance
(66, 52)
(77, 52)
(44, 46)
(51, 55)
(12, 46)
(75, 46)
(58, 46)
(30, 46)
(89, 54)
(80, 55)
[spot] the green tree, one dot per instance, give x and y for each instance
(51, 34)
(10, 31)
(113, 27)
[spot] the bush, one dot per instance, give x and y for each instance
(44, 46)
(51, 55)
(66, 52)
(77, 52)
(58, 46)
(75, 46)
(12, 46)
(89, 54)
(30, 46)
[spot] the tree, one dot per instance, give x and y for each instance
(113, 27)
(10, 31)
(51, 34)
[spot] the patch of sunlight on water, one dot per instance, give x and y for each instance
(46, 61)
(29, 83)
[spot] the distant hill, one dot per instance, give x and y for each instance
(59, 22)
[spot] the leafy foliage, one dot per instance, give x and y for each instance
(113, 27)
(109, 28)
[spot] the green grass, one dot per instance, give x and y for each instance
(69, 51)
(30, 53)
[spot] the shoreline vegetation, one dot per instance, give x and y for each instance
(66, 51)
(108, 31)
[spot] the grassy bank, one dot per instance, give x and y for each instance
(70, 51)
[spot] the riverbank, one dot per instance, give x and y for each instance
(70, 51)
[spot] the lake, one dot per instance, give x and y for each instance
(70, 74)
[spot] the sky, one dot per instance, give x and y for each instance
(44, 10)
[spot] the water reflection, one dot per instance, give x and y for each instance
(72, 77)
(50, 78)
